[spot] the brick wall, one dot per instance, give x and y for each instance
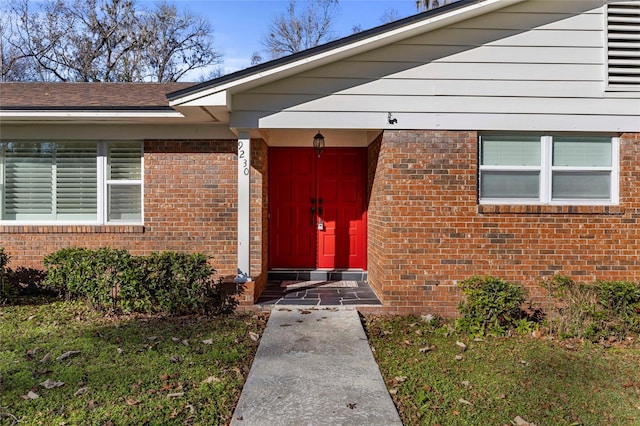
(427, 231)
(190, 202)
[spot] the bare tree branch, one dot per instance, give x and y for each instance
(292, 32)
(105, 40)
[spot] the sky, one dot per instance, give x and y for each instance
(240, 25)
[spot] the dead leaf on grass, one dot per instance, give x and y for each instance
(67, 354)
(254, 336)
(519, 421)
(408, 343)
(461, 345)
(30, 353)
(51, 384)
(427, 348)
(81, 391)
(30, 395)
(175, 395)
(174, 358)
(464, 401)
(45, 358)
(120, 351)
(208, 342)
(459, 357)
(185, 342)
(175, 340)
(211, 379)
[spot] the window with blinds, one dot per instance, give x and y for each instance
(124, 182)
(623, 45)
(548, 170)
(43, 182)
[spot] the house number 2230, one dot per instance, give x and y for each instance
(242, 159)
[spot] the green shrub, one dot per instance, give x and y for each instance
(179, 282)
(595, 311)
(491, 307)
(620, 297)
(94, 275)
(115, 281)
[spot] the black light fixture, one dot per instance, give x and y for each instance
(318, 143)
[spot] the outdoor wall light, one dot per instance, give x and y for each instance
(318, 143)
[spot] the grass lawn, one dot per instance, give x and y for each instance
(497, 379)
(128, 370)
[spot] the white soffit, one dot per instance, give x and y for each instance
(216, 95)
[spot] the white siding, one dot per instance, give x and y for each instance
(539, 64)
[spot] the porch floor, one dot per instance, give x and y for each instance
(318, 293)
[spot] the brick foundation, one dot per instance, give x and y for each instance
(427, 231)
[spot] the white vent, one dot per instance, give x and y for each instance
(623, 44)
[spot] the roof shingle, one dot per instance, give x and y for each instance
(93, 96)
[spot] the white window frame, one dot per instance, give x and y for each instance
(546, 170)
(101, 190)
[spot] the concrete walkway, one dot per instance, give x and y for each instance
(314, 367)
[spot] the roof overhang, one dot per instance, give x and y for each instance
(87, 115)
(217, 94)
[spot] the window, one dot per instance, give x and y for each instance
(623, 45)
(548, 169)
(70, 182)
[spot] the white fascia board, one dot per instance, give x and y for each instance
(360, 46)
(217, 99)
(26, 115)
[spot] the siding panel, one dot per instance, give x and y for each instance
(535, 60)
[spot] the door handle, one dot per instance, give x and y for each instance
(313, 215)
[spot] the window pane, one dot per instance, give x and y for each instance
(581, 185)
(510, 151)
(585, 152)
(28, 182)
(76, 181)
(124, 161)
(496, 184)
(125, 203)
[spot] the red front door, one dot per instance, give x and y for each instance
(317, 208)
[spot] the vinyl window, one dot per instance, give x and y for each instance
(70, 182)
(562, 170)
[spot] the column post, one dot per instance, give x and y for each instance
(244, 197)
